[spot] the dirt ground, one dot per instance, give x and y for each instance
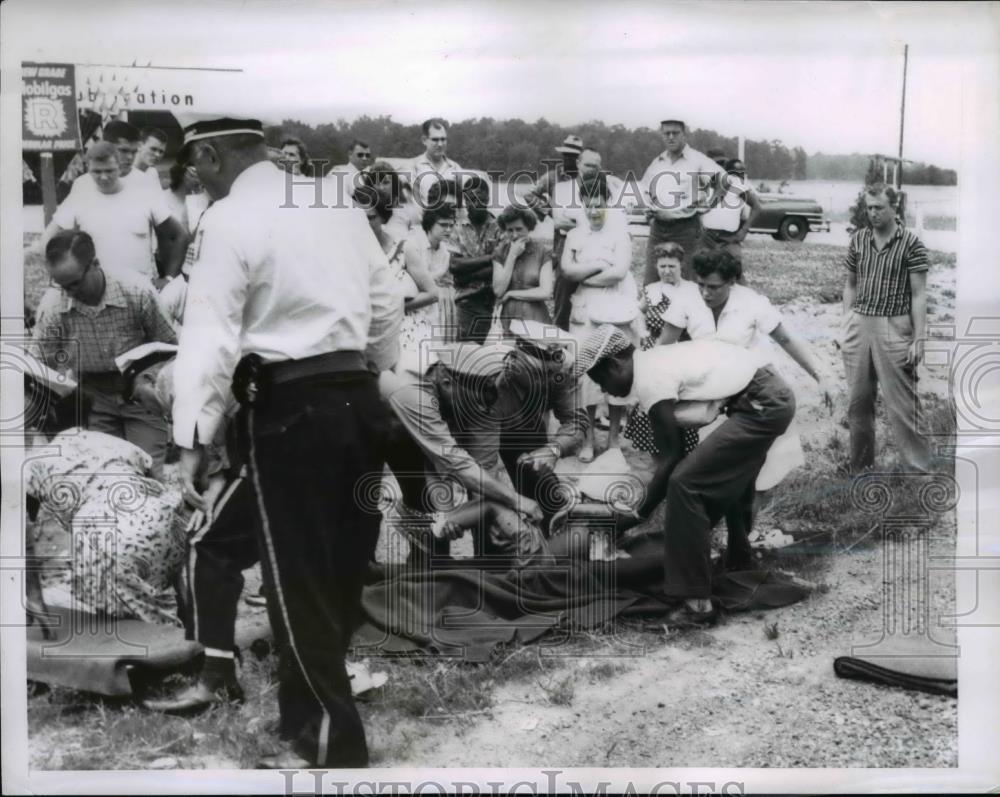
(729, 696)
(758, 690)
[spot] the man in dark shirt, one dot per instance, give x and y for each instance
(885, 303)
(538, 378)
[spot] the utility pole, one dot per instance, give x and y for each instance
(902, 119)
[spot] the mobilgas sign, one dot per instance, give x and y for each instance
(49, 122)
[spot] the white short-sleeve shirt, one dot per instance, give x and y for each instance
(727, 215)
(121, 224)
(745, 319)
(695, 370)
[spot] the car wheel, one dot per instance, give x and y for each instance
(793, 228)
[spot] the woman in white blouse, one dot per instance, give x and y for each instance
(599, 258)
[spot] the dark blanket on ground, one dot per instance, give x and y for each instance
(469, 612)
(917, 662)
(106, 655)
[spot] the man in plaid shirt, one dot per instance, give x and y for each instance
(93, 317)
(885, 304)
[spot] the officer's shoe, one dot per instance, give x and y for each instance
(196, 698)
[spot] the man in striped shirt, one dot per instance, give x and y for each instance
(885, 304)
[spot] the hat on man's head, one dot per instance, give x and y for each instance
(680, 122)
(571, 145)
(605, 341)
(135, 361)
(212, 128)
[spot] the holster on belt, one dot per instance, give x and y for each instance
(248, 378)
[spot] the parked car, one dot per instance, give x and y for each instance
(789, 218)
(784, 216)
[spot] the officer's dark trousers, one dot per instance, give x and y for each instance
(716, 477)
(312, 444)
(218, 552)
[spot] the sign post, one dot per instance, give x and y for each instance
(49, 121)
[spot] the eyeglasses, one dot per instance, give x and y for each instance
(365, 155)
(439, 140)
(70, 287)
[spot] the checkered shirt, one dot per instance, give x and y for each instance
(73, 335)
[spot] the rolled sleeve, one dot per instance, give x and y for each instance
(415, 404)
(567, 406)
(154, 320)
(767, 316)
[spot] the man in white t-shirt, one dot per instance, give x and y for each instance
(119, 217)
(152, 148)
(720, 473)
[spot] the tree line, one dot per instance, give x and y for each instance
(511, 145)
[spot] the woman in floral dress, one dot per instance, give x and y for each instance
(431, 313)
(122, 532)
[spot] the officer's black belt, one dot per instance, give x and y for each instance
(336, 362)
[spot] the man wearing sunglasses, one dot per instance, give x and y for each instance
(345, 176)
(89, 317)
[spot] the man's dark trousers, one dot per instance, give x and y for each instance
(310, 444)
(716, 477)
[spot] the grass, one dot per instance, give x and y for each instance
(784, 271)
(70, 730)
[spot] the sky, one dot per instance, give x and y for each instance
(824, 76)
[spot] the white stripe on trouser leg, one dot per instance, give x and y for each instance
(265, 525)
(193, 549)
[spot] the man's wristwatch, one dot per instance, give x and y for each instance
(555, 449)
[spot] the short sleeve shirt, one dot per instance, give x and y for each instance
(727, 215)
(121, 224)
(884, 274)
(680, 186)
(747, 316)
(696, 370)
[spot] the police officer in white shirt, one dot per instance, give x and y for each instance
(720, 473)
(294, 293)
